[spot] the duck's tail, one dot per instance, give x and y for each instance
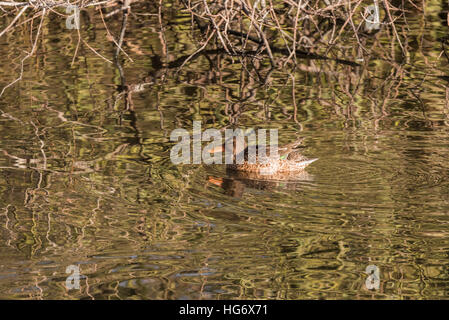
(305, 163)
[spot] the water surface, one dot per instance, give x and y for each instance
(86, 178)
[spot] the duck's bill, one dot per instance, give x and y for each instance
(217, 149)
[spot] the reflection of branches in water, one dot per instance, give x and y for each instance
(304, 27)
(217, 20)
(41, 9)
(31, 53)
(317, 26)
(350, 79)
(55, 221)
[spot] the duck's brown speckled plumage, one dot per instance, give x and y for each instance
(290, 160)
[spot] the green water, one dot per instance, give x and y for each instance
(86, 178)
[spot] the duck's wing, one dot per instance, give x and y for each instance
(295, 156)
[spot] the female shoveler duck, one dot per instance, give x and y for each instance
(287, 161)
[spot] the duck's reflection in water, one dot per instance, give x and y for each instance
(236, 182)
